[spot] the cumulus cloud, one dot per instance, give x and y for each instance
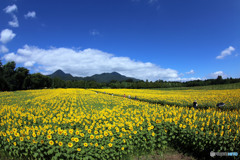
(29, 64)
(88, 62)
(14, 22)
(30, 15)
(6, 35)
(3, 49)
(10, 9)
(190, 72)
(228, 51)
(218, 73)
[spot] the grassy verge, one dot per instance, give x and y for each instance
(5, 156)
(167, 154)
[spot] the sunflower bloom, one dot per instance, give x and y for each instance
(76, 140)
(51, 142)
(21, 138)
(49, 136)
(153, 134)
(110, 144)
(70, 144)
(60, 143)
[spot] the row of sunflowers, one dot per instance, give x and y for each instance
(205, 98)
(78, 124)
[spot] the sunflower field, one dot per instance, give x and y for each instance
(83, 124)
(205, 98)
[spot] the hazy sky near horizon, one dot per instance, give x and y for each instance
(145, 39)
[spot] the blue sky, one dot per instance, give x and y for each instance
(146, 39)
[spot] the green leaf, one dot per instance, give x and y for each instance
(58, 154)
(50, 151)
(35, 155)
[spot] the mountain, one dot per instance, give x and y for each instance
(64, 76)
(104, 77)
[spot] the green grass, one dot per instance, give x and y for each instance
(166, 154)
(4, 155)
(210, 87)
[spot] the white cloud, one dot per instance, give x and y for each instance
(14, 22)
(3, 49)
(6, 35)
(10, 9)
(185, 79)
(88, 62)
(190, 72)
(30, 15)
(94, 32)
(29, 64)
(12, 57)
(217, 73)
(228, 51)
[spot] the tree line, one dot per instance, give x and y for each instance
(12, 78)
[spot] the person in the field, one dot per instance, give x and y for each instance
(195, 104)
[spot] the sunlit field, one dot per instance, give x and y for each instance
(78, 123)
(205, 98)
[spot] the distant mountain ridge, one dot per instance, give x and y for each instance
(104, 77)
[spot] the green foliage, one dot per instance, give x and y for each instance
(20, 75)
(12, 78)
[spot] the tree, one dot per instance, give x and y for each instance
(8, 74)
(3, 83)
(58, 83)
(47, 81)
(129, 80)
(219, 77)
(70, 84)
(219, 80)
(27, 82)
(37, 81)
(20, 75)
(1, 68)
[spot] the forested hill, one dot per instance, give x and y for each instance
(100, 78)
(12, 78)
